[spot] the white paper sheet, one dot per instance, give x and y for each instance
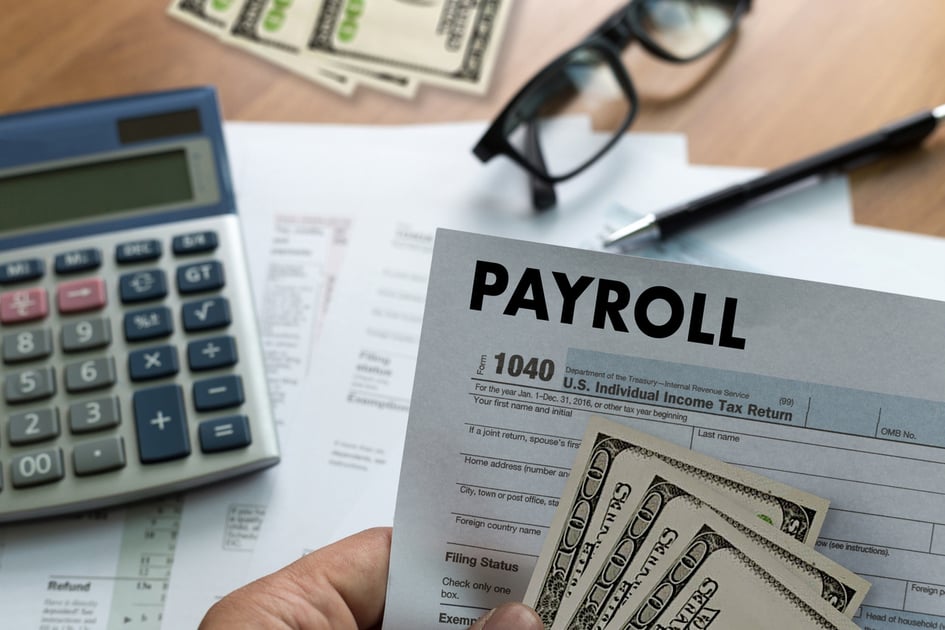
(386, 187)
(99, 570)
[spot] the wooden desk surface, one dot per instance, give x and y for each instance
(803, 75)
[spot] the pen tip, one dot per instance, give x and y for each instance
(634, 234)
(939, 112)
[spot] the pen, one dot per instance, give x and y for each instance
(659, 225)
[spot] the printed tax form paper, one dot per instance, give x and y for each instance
(836, 391)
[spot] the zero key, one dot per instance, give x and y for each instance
(34, 469)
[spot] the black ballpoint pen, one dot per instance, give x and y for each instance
(902, 134)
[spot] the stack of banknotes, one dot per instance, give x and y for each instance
(652, 535)
(393, 46)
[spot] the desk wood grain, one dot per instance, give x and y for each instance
(802, 75)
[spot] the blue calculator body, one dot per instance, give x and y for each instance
(130, 354)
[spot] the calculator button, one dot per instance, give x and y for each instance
(206, 314)
(22, 270)
(90, 374)
(161, 423)
(210, 353)
(94, 415)
(194, 243)
(33, 426)
(138, 251)
(153, 363)
(23, 305)
(149, 323)
(30, 384)
(78, 260)
(34, 469)
(26, 345)
(224, 434)
(142, 285)
(218, 393)
(81, 295)
(86, 334)
(205, 276)
(98, 456)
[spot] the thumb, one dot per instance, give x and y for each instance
(509, 616)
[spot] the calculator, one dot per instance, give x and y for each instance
(131, 359)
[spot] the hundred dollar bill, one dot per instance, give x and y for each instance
(779, 506)
(210, 16)
(215, 18)
(714, 583)
(673, 509)
(451, 43)
(596, 493)
(277, 30)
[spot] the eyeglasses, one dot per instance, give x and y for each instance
(592, 78)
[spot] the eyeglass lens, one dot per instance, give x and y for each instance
(585, 84)
(685, 28)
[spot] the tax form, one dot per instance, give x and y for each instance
(837, 391)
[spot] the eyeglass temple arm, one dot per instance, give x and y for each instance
(543, 192)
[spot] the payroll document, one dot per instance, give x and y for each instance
(836, 391)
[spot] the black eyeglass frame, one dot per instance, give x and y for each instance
(609, 39)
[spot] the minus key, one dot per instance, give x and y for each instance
(218, 393)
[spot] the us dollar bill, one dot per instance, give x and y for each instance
(631, 464)
(673, 509)
(277, 30)
(216, 17)
(451, 43)
(597, 492)
(714, 583)
(210, 16)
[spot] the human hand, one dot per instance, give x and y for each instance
(339, 587)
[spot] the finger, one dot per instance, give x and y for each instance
(509, 616)
(340, 586)
(355, 568)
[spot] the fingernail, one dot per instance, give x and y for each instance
(512, 616)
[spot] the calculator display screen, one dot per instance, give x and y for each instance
(92, 189)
